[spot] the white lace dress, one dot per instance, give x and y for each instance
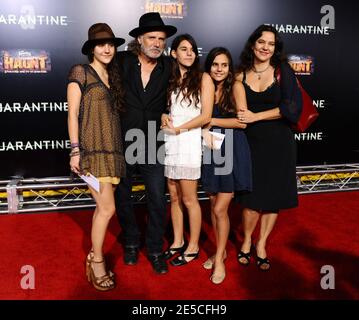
(183, 152)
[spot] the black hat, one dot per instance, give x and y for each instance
(100, 32)
(152, 21)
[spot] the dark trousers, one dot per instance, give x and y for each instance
(154, 180)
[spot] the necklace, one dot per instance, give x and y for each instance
(259, 73)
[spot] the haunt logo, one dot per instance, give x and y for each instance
(25, 61)
(176, 9)
(301, 64)
(28, 19)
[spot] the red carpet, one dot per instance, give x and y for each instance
(322, 231)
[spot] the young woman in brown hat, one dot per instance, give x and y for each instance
(94, 96)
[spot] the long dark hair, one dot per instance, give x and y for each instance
(134, 47)
(116, 86)
(247, 55)
(191, 82)
(226, 102)
(114, 79)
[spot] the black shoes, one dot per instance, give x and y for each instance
(181, 260)
(263, 263)
(244, 258)
(158, 262)
(170, 252)
(131, 255)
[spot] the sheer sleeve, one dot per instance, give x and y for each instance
(77, 74)
(291, 102)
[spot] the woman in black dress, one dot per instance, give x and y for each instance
(272, 106)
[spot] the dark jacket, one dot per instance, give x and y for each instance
(143, 105)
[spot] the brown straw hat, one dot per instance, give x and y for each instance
(100, 32)
(152, 21)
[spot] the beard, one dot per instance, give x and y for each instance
(151, 52)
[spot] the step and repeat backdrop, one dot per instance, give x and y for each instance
(41, 39)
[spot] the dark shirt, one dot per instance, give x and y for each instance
(143, 104)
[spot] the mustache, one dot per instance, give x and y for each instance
(155, 48)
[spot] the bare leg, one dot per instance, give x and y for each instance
(176, 212)
(96, 210)
(190, 200)
(222, 225)
(213, 199)
(249, 219)
(268, 221)
(105, 209)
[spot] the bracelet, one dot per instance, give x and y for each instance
(74, 145)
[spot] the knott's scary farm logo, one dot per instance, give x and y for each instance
(301, 64)
(167, 8)
(25, 61)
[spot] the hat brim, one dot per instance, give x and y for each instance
(169, 30)
(91, 43)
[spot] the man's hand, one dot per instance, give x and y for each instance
(165, 120)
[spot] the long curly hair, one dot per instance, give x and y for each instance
(226, 102)
(247, 55)
(116, 86)
(114, 79)
(134, 47)
(190, 85)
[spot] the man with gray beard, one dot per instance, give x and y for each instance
(145, 73)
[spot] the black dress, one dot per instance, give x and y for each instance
(273, 152)
(229, 168)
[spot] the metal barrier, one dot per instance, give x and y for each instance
(58, 193)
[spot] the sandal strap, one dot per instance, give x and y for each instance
(244, 255)
(108, 276)
(100, 280)
(190, 255)
(173, 249)
(183, 256)
(261, 261)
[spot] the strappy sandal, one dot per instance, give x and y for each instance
(170, 252)
(261, 262)
(181, 260)
(88, 264)
(246, 256)
(102, 283)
